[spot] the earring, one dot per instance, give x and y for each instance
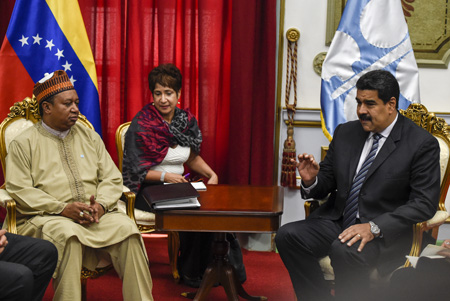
(179, 102)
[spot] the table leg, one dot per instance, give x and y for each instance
(221, 271)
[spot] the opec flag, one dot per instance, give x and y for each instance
(372, 34)
(44, 36)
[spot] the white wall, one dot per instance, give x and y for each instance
(309, 17)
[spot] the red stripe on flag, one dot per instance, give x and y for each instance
(12, 69)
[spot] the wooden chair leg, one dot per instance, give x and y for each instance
(173, 245)
(83, 289)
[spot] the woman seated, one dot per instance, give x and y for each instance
(160, 140)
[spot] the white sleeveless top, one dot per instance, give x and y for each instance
(174, 160)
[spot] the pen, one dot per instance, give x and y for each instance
(186, 175)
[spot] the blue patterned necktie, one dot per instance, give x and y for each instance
(351, 207)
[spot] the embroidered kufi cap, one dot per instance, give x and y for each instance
(52, 84)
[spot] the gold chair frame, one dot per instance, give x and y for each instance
(439, 129)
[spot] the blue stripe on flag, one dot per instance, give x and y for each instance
(42, 47)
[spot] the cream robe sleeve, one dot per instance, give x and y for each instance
(19, 184)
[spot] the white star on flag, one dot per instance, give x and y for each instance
(49, 44)
(23, 40)
(67, 66)
(37, 39)
(59, 53)
(72, 80)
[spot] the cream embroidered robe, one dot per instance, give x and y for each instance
(45, 172)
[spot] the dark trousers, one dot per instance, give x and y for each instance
(301, 244)
(26, 267)
(195, 248)
(195, 253)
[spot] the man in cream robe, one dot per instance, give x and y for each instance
(66, 187)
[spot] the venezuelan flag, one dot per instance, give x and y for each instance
(44, 36)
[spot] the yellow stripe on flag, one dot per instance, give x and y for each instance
(68, 15)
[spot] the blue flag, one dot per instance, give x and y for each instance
(372, 34)
(44, 36)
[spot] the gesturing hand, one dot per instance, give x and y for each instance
(308, 168)
(79, 212)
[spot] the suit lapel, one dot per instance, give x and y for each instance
(388, 147)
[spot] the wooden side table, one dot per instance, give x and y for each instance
(226, 208)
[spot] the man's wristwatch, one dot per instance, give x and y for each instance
(374, 229)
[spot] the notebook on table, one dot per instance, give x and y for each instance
(199, 185)
(171, 196)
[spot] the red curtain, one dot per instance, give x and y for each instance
(252, 93)
(225, 50)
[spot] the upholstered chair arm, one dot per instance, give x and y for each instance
(129, 198)
(437, 220)
(4, 196)
(144, 220)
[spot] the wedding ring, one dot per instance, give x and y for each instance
(81, 213)
(359, 235)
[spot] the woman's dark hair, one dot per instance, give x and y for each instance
(167, 75)
(383, 82)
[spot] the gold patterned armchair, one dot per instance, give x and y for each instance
(22, 116)
(439, 129)
(144, 220)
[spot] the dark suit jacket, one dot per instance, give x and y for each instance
(402, 185)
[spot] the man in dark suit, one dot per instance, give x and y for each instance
(26, 266)
(382, 173)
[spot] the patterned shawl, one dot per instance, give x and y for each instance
(148, 139)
